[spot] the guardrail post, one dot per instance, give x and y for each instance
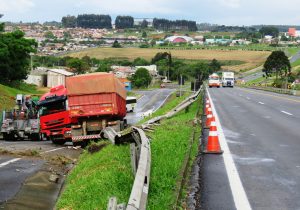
(112, 204)
(133, 155)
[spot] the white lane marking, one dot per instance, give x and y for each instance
(52, 150)
(8, 162)
(261, 103)
(238, 192)
(141, 97)
(248, 98)
(287, 113)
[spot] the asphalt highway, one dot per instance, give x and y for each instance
(262, 131)
(149, 102)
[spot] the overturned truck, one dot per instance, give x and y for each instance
(97, 104)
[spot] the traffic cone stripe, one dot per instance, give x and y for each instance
(213, 133)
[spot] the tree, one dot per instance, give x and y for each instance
(1, 24)
(15, 56)
(269, 30)
(49, 35)
(116, 44)
(214, 66)
(94, 21)
(140, 62)
(144, 34)
(144, 24)
(69, 21)
(78, 66)
(141, 78)
(123, 22)
(277, 63)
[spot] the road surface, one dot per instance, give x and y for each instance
(25, 169)
(150, 101)
(262, 133)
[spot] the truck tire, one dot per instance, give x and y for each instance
(9, 137)
(36, 137)
(58, 141)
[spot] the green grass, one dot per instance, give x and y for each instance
(8, 94)
(293, 50)
(296, 63)
(169, 144)
(97, 177)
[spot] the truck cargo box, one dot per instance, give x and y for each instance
(98, 94)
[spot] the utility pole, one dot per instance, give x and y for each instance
(180, 84)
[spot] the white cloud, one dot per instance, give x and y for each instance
(17, 6)
(230, 3)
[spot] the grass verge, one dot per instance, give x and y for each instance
(97, 177)
(169, 146)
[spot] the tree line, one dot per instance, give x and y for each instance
(122, 22)
(167, 25)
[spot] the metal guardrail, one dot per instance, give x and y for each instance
(141, 160)
(139, 193)
(276, 90)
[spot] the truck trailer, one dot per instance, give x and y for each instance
(97, 101)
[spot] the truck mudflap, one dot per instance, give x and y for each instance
(108, 133)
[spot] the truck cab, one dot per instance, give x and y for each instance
(55, 118)
(228, 79)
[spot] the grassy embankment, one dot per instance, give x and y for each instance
(107, 173)
(8, 94)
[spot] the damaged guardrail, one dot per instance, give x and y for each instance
(141, 160)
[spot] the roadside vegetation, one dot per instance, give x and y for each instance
(8, 94)
(107, 173)
(169, 146)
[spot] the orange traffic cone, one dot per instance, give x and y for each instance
(213, 144)
(209, 119)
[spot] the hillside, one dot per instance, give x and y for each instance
(7, 94)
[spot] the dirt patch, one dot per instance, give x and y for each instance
(96, 147)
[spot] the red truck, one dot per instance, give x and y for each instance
(55, 121)
(96, 101)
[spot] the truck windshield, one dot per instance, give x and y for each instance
(52, 108)
(230, 79)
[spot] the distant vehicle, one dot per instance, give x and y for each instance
(227, 79)
(130, 103)
(214, 80)
(162, 85)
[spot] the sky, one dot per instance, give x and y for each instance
(227, 12)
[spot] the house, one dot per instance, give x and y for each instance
(57, 77)
(127, 83)
(123, 71)
(179, 39)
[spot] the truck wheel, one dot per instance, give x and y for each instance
(36, 137)
(8, 137)
(58, 141)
